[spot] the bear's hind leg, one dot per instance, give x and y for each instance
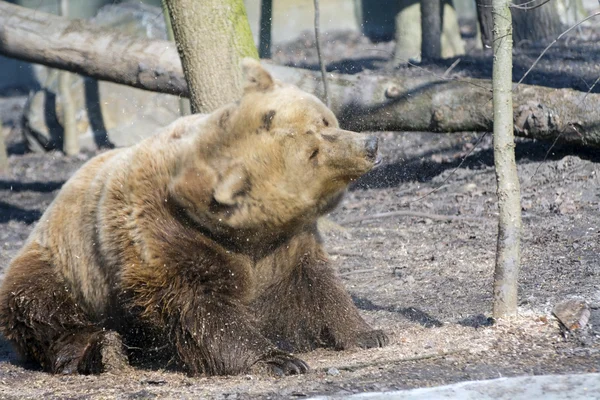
(39, 315)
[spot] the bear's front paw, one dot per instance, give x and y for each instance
(282, 364)
(370, 339)
(109, 355)
(90, 353)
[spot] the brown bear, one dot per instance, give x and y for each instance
(197, 248)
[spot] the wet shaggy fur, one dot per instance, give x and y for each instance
(197, 248)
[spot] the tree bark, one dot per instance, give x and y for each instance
(184, 103)
(431, 30)
(361, 101)
(535, 25)
(212, 38)
(508, 254)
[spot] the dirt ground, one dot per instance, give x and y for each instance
(425, 280)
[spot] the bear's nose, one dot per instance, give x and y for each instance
(371, 147)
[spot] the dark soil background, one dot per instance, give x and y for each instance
(426, 280)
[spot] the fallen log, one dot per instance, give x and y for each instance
(362, 101)
(79, 46)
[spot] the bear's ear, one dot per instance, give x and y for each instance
(257, 79)
(233, 184)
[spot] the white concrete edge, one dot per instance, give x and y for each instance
(547, 387)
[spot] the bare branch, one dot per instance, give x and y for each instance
(450, 68)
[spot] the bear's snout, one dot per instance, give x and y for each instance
(371, 146)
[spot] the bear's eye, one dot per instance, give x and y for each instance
(314, 154)
(325, 122)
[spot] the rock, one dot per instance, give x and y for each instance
(573, 314)
(333, 371)
(107, 114)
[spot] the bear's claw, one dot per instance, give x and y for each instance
(371, 339)
(286, 364)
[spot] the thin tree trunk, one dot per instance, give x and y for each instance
(266, 23)
(361, 101)
(508, 256)
(409, 43)
(212, 38)
(484, 16)
(431, 30)
(69, 120)
(317, 23)
(3, 153)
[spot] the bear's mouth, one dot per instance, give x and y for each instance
(378, 161)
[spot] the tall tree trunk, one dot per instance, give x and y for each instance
(431, 30)
(69, 120)
(212, 38)
(535, 25)
(266, 23)
(484, 16)
(508, 257)
(409, 32)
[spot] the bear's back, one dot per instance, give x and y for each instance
(67, 230)
(101, 210)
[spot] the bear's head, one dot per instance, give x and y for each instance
(271, 163)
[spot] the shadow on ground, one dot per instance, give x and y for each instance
(9, 212)
(423, 168)
(42, 187)
(410, 313)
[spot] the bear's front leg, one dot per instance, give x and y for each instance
(195, 306)
(309, 308)
(216, 336)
